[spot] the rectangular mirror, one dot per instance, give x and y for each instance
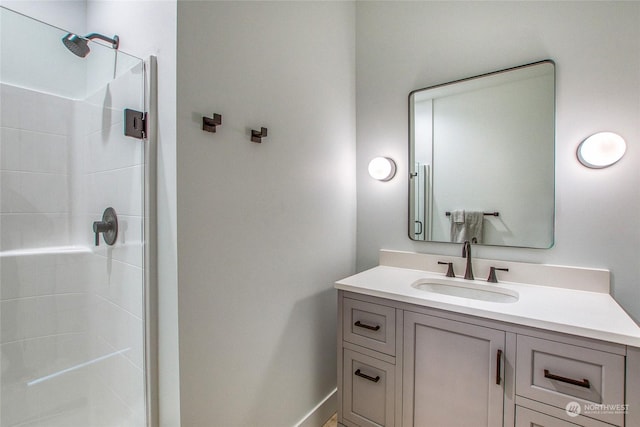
(481, 159)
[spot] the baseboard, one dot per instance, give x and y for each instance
(322, 412)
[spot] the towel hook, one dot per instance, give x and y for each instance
(256, 136)
(209, 123)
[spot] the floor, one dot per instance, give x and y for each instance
(333, 421)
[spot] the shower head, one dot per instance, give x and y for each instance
(79, 46)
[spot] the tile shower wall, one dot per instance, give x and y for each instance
(44, 330)
(43, 292)
(71, 313)
(36, 136)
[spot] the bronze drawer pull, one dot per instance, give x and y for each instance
(367, 377)
(584, 383)
(498, 366)
(362, 325)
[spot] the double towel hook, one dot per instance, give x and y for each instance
(209, 124)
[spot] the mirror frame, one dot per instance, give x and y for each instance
(411, 151)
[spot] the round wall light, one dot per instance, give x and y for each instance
(382, 168)
(601, 150)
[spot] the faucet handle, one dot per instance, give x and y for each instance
(492, 274)
(108, 227)
(450, 272)
(99, 227)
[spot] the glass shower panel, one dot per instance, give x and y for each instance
(71, 313)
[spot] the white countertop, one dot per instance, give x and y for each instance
(584, 313)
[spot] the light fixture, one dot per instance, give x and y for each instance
(382, 168)
(601, 150)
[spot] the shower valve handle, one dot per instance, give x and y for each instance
(108, 227)
(100, 227)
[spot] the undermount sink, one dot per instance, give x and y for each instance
(470, 290)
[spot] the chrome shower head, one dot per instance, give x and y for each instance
(79, 45)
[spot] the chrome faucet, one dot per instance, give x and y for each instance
(466, 253)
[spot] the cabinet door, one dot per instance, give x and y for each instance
(452, 373)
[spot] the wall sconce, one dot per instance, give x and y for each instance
(382, 168)
(601, 150)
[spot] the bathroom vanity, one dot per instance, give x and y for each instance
(545, 347)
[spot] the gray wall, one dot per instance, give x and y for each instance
(263, 229)
(403, 46)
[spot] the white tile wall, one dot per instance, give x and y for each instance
(35, 317)
(34, 174)
(70, 311)
(44, 322)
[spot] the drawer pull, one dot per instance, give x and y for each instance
(498, 367)
(362, 325)
(584, 383)
(367, 377)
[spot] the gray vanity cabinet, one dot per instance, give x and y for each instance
(404, 365)
(452, 373)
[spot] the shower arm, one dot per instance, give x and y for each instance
(115, 41)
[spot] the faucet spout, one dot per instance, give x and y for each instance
(466, 253)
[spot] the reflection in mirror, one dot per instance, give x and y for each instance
(481, 156)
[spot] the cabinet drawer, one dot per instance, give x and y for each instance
(370, 325)
(558, 374)
(526, 417)
(368, 396)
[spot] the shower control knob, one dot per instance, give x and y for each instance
(108, 227)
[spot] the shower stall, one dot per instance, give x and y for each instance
(73, 290)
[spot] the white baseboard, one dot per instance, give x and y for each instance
(322, 412)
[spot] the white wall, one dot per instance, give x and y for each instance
(69, 15)
(263, 229)
(402, 46)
